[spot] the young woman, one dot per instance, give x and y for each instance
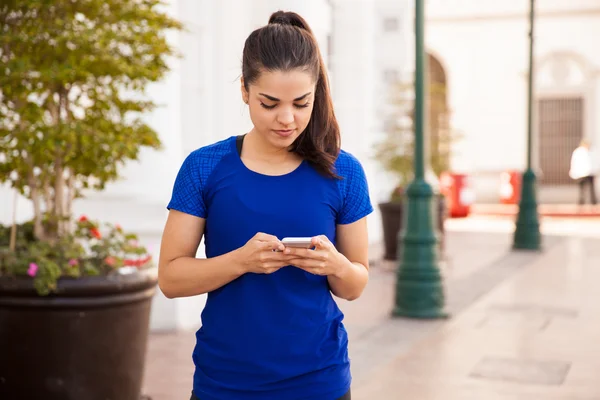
(271, 328)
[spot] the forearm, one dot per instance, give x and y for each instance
(188, 276)
(350, 282)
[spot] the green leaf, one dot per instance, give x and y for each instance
(72, 86)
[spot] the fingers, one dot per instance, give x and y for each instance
(269, 256)
(268, 242)
(322, 255)
(264, 237)
(312, 266)
(272, 245)
(321, 242)
(277, 263)
(306, 263)
(272, 266)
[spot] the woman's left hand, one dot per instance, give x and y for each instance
(323, 260)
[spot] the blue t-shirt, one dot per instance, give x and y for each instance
(269, 336)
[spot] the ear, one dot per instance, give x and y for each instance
(245, 94)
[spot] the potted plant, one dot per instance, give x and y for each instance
(75, 294)
(396, 153)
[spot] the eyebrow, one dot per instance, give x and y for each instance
(276, 99)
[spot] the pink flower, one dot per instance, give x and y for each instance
(73, 262)
(110, 261)
(33, 269)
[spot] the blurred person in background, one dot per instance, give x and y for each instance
(583, 169)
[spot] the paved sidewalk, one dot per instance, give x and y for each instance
(511, 311)
(534, 336)
(545, 210)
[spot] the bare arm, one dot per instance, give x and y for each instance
(181, 274)
(353, 244)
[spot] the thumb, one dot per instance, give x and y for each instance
(320, 242)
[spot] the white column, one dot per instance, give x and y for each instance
(353, 80)
(196, 109)
(353, 85)
(232, 25)
(193, 120)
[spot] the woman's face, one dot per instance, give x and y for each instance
(280, 104)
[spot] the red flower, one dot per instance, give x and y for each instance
(110, 261)
(96, 233)
(83, 218)
(137, 263)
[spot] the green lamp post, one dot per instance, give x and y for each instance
(527, 230)
(419, 291)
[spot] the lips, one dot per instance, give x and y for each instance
(284, 132)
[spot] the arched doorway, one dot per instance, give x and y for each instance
(438, 116)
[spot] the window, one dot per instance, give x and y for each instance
(390, 24)
(561, 130)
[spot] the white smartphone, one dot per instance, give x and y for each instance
(302, 242)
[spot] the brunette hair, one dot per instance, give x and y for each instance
(285, 44)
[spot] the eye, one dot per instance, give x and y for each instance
(302, 105)
(267, 106)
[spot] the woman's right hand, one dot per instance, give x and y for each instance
(263, 254)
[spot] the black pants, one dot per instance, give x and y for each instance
(588, 180)
(344, 397)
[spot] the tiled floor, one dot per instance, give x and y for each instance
(535, 336)
(536, 314)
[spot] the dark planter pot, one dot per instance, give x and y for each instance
(392, 219)
(88, 341)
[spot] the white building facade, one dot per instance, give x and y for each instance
(200, 103)
(483, 47)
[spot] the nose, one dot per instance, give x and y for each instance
(285, 117)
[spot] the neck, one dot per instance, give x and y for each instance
(257, 148)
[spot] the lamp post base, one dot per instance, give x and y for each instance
(527, 232)
(419, 290)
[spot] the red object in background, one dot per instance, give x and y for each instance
(458, 193)
(510, 187)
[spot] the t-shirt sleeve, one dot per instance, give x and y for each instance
(187, 191)
(356, 202)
